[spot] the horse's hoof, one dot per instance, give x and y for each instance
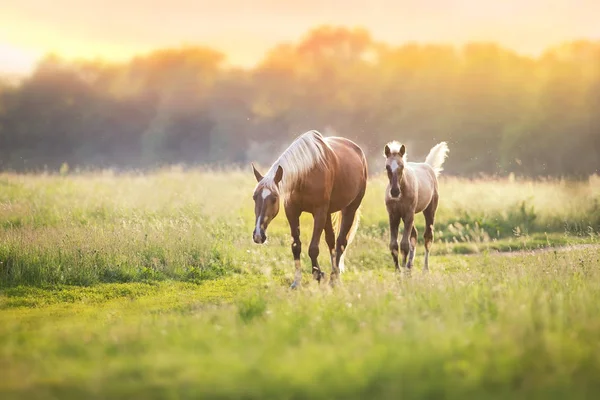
(294, 285)
(318, 274)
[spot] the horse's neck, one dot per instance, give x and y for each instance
(403, 183)
(288, 184)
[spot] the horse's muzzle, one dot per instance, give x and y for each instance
(395, 192)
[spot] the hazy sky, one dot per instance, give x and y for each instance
(245, 29)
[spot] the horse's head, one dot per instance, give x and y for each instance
(394, 164)
(266, 203)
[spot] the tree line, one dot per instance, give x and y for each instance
(500, 111)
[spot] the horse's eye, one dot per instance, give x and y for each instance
(388, 169)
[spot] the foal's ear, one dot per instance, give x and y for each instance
(402, 150)
(257, 174)
(387, 151)
(278, 175)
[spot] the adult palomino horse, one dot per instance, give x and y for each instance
(412, 188)
(320, 176)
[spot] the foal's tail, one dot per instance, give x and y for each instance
(436, 157)
(337, 224)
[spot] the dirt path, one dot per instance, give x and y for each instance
(559, 249)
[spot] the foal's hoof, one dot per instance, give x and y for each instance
(295, 285)
(334, 280)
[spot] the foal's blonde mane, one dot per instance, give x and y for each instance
(394, 147)
(306, 152)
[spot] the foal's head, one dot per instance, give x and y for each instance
(266, 202)
(394, 153)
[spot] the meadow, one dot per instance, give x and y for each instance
(149, 286)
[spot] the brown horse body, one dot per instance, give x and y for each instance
(412, 188)
(321, 176)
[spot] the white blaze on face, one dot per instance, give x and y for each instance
(394, 165)
(264, 194)
(258, 221)
(257, 229)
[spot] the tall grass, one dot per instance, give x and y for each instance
(195, 225)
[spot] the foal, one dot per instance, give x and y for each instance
(412, 188)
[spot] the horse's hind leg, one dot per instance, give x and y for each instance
(330, 239)
(348, 215)
(429, 214)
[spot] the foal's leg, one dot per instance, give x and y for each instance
(294, 221)
(405, 243)
(394, 217)
(320, 220)
(413, 245)
(429, 213)
(330, 239)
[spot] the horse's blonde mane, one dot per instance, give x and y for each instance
(306, 152)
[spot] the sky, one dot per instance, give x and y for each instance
(116, 30)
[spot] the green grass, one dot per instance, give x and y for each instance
(490, 326)
(148, 286)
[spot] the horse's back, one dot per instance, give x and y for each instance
(423, 171)
(342, 146)
(427, 183)
(349, 155)
(351, 173)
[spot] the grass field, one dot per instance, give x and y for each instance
(148, 286)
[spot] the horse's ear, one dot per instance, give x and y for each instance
(402, 150)
(257, 174)
(278, 175)
(386, 151)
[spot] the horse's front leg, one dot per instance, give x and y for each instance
(294, 221)
(394, 217)
(405, 242)
(320, 219)
(413, 245)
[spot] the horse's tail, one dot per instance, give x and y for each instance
(436, 157)
(336, 219)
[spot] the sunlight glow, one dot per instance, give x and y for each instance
(115, 30)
